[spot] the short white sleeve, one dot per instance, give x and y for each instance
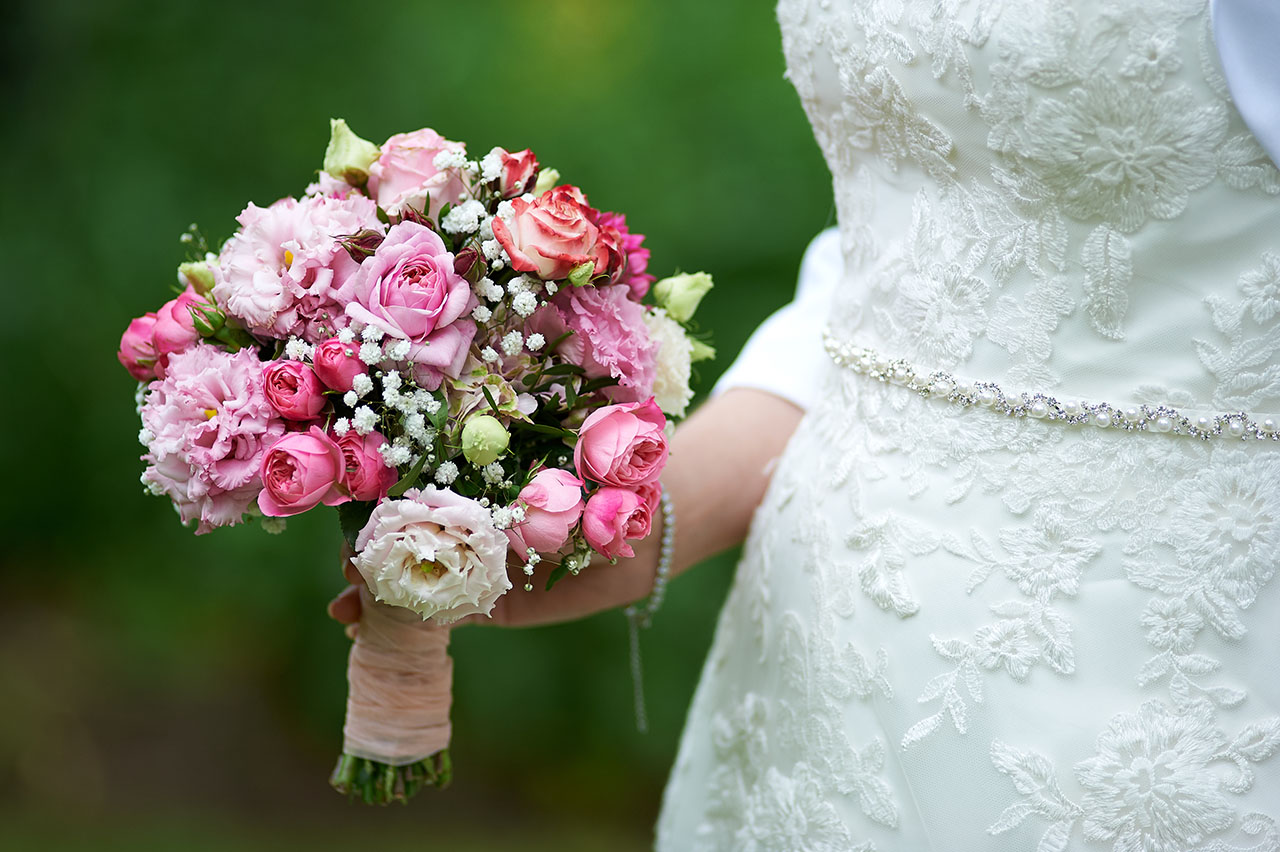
(785, 355)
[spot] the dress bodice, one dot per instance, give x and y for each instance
(1057, 195)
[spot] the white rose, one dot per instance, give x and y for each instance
(434, 552)
(675, 353)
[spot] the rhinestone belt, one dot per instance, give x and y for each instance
(940, 384)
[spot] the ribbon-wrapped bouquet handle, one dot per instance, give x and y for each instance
(399, 680)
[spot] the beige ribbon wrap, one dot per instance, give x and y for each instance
(400, 686)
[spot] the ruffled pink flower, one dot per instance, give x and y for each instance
(613, 517)
(609, 337)
(410, 290)
(284, 272)
(209, 424)
(552, 505)
(300, 471)
(613, 231)
(137, 353)
(405, 176)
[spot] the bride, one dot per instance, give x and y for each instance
(1009, 585)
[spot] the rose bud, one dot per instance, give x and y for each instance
(299, 471)
(366, 475)
(547, 179)
(137, 353)
(552, 505)
(622, 444)
(517, 172)
(293, 389)
(469, 264)
(174, 329)
(197, 275)
(337, 364)
(484, 438)
(348, 157)
(612, 517)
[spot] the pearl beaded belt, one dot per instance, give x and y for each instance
(1102, 415)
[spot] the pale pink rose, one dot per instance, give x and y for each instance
(409, 290)
(137, 353)
(300, 471)
(366, 476)
(337, 364)
(614, 516)
(174, 329)
(293, 389)
(614, 233)
(623, 445)
(285, 271)
(405, 176)
(434, 552)
(610, 337)
(552, 505)
(208, 425)
(518, 170)
(552, 234)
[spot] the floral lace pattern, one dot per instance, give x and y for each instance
(954, 630)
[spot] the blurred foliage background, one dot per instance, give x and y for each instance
(162, 691)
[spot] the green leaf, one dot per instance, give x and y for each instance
(352, 516)
(558, 431)
(407, 481)
(557, 574)
(564, 370)
(488, 397)
(441, 415)
(597, 384)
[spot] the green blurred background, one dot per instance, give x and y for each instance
(162, 691)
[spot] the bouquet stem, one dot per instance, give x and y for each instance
(400, 679)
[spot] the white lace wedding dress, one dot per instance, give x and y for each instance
(958, 630)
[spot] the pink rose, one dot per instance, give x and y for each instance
(613, 231)
(622, 445)
(552, 234)
(409, 289)
(174, 330)
(137, 352)
(365, 475)
(614, 516)
(553, 504)
(299, 471)
(337, 364)
(610, 337)
(293, 389)
(405, 176)
(517, 172)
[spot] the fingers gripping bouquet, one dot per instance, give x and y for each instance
(462, 356)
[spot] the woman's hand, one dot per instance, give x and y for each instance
(721, 461)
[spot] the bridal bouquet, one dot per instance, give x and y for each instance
(464, 357)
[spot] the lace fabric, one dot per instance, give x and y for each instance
(953, 630)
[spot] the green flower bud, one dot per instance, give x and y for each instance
(198, 274)
(547, 178)
(208, 321)
(680, 294)
(484, 439)
(701, 352)
(348, 157)
(581, 273)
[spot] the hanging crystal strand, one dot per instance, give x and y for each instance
(640, 615)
